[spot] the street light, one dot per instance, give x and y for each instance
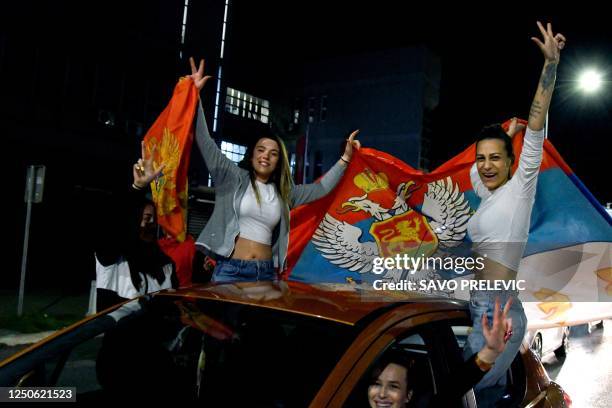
(589, 81)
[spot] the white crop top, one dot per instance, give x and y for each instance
(500, 226)
(258, 221)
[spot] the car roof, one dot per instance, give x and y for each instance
(346, 304)
(343, 303)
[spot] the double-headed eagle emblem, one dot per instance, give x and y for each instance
(165, 150)
(399, 229)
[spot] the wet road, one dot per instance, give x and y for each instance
(586, 373)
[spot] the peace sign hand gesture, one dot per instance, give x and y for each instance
(552, 45)
(351, 144)
(143, 170)
(199, 79)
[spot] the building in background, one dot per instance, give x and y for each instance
(81, 84)
(388, 95)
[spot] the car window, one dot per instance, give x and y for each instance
(79, 369)
(50, 362)
(263, 357)
(215, 353)
(41, 374)
(436, 352)
(221, 353)
(461, 333)
(413, 339)
(419, 350)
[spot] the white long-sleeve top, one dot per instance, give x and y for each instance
(500, 227)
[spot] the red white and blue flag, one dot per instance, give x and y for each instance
(383, 207)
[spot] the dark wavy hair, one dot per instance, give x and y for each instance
(281, 177)
(496, 132)
(398, 357)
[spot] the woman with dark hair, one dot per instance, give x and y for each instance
(392, 380)
(394, 377)
(249, 226)
(129, 261)
(500, 227)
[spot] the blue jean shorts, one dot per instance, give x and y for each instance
(239, 270)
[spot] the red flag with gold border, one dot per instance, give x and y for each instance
(169, 142)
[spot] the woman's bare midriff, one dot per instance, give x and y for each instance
(247, 250)
(495, 271)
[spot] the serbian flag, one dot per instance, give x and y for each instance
(169, 142)
(382, 207)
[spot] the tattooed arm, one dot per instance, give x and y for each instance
(551, 47)
(531, 154)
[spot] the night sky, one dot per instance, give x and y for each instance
(490, 67)
(50, 114)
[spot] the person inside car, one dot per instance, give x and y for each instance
(395, 379)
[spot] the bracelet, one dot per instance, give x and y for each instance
(135, 187)
(483, 365)
(344, 160)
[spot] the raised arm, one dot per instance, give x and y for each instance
(531, 155)
(217, 163)
(143, 171)
(305, 193)
(119, 223)
(467, 374)
(497, 335)
(551, 49)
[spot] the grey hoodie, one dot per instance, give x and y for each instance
(231, 182)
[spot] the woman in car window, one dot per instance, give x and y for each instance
(393, 378)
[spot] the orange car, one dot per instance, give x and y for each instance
(284, 344)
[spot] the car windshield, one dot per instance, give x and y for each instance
(184, 349)
(224, 353)
(263, 357)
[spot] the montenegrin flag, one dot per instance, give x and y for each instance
(169, 141)
(382, 207)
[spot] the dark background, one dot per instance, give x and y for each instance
(490, 67)
(64, 65)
